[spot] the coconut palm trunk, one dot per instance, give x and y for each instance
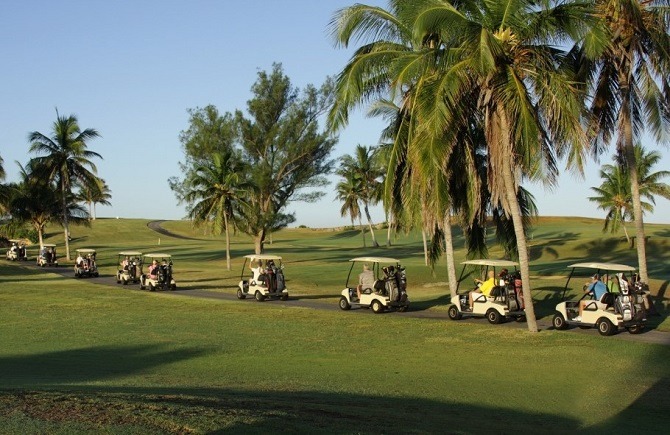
(66, 228)
(449, 253)
(227, 230)
(369, 218)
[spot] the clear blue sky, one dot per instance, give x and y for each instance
(132, 68)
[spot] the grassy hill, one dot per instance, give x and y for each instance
(76, 357)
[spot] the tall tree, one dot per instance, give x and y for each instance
(215, 193)
(628, 73)
(348, 192)
(66, 159)
(288, 154)
(97, 193)
(368, 174)
(614, 193)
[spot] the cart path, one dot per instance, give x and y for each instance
(650, 336)
(156, 226)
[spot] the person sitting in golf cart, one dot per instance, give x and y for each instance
(366, 280)
(153, 269)
(258, 273)
(79, 261)
(598, 290)
(483, 287)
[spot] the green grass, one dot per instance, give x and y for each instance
(77, 357)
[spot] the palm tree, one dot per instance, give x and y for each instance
(66, 160)
(216, 191)
(628, 73)
(503, 57)
(368, 174)
(98, 193)
(348, 191)
(38, 202)
(614, 194)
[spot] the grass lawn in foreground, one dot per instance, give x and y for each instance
(80, 357)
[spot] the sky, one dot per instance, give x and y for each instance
(131, 69)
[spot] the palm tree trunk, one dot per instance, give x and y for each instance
(372, 232)
(449, 253)
(425, 246)
(623, 224)
(258, 242)
(389, 222)
(360, 224)
(522, 248)
(226, 229)
(66, 228)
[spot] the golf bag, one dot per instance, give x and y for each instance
(630, 303)
(164, 274)
(395, 283)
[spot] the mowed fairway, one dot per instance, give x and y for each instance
(80, 357)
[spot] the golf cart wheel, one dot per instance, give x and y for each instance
(124, 281)
(636, 329)
(454, 314)
(152, 288)
(403, 308)
(605, 327)
(520, 319)
(259, 296)
(559, 322)
(377, 307)
(493, 316)
(344, 303)
(240, 295)
(173, 287)
(284, 297)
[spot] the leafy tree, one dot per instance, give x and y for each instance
(66, 161)
(215, 192)
(280, 140)
(614, 194)
(626, 64)
(287, 153)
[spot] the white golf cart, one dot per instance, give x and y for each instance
(159, 272)
(386, 291)
(130, 267)
(624, 309)
(47, 255)
(17, 251)
(267, 279)
(505, 300)
(84, 265)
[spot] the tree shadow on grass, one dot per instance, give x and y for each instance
(88, 364)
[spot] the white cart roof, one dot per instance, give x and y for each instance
(262, 257)
(86, 251)
(489, 262)
(154, 255)
(376, 259)
(130, 253)
(604, 266)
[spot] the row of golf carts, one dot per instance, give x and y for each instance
(157, 277)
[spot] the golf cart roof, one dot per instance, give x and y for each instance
(48, 245)
(155, 255)
(262, 257)
(604, 266)
(376, 259)
(86, 251)
(489, 262)
(17, 240)
(130, 253)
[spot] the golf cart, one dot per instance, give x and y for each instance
(47, 255)
(17, 251)
(622, 307)
(159, 272)
(386, 289)
(267, 280)
(130, 266)
(505, 300)
(84, 265)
